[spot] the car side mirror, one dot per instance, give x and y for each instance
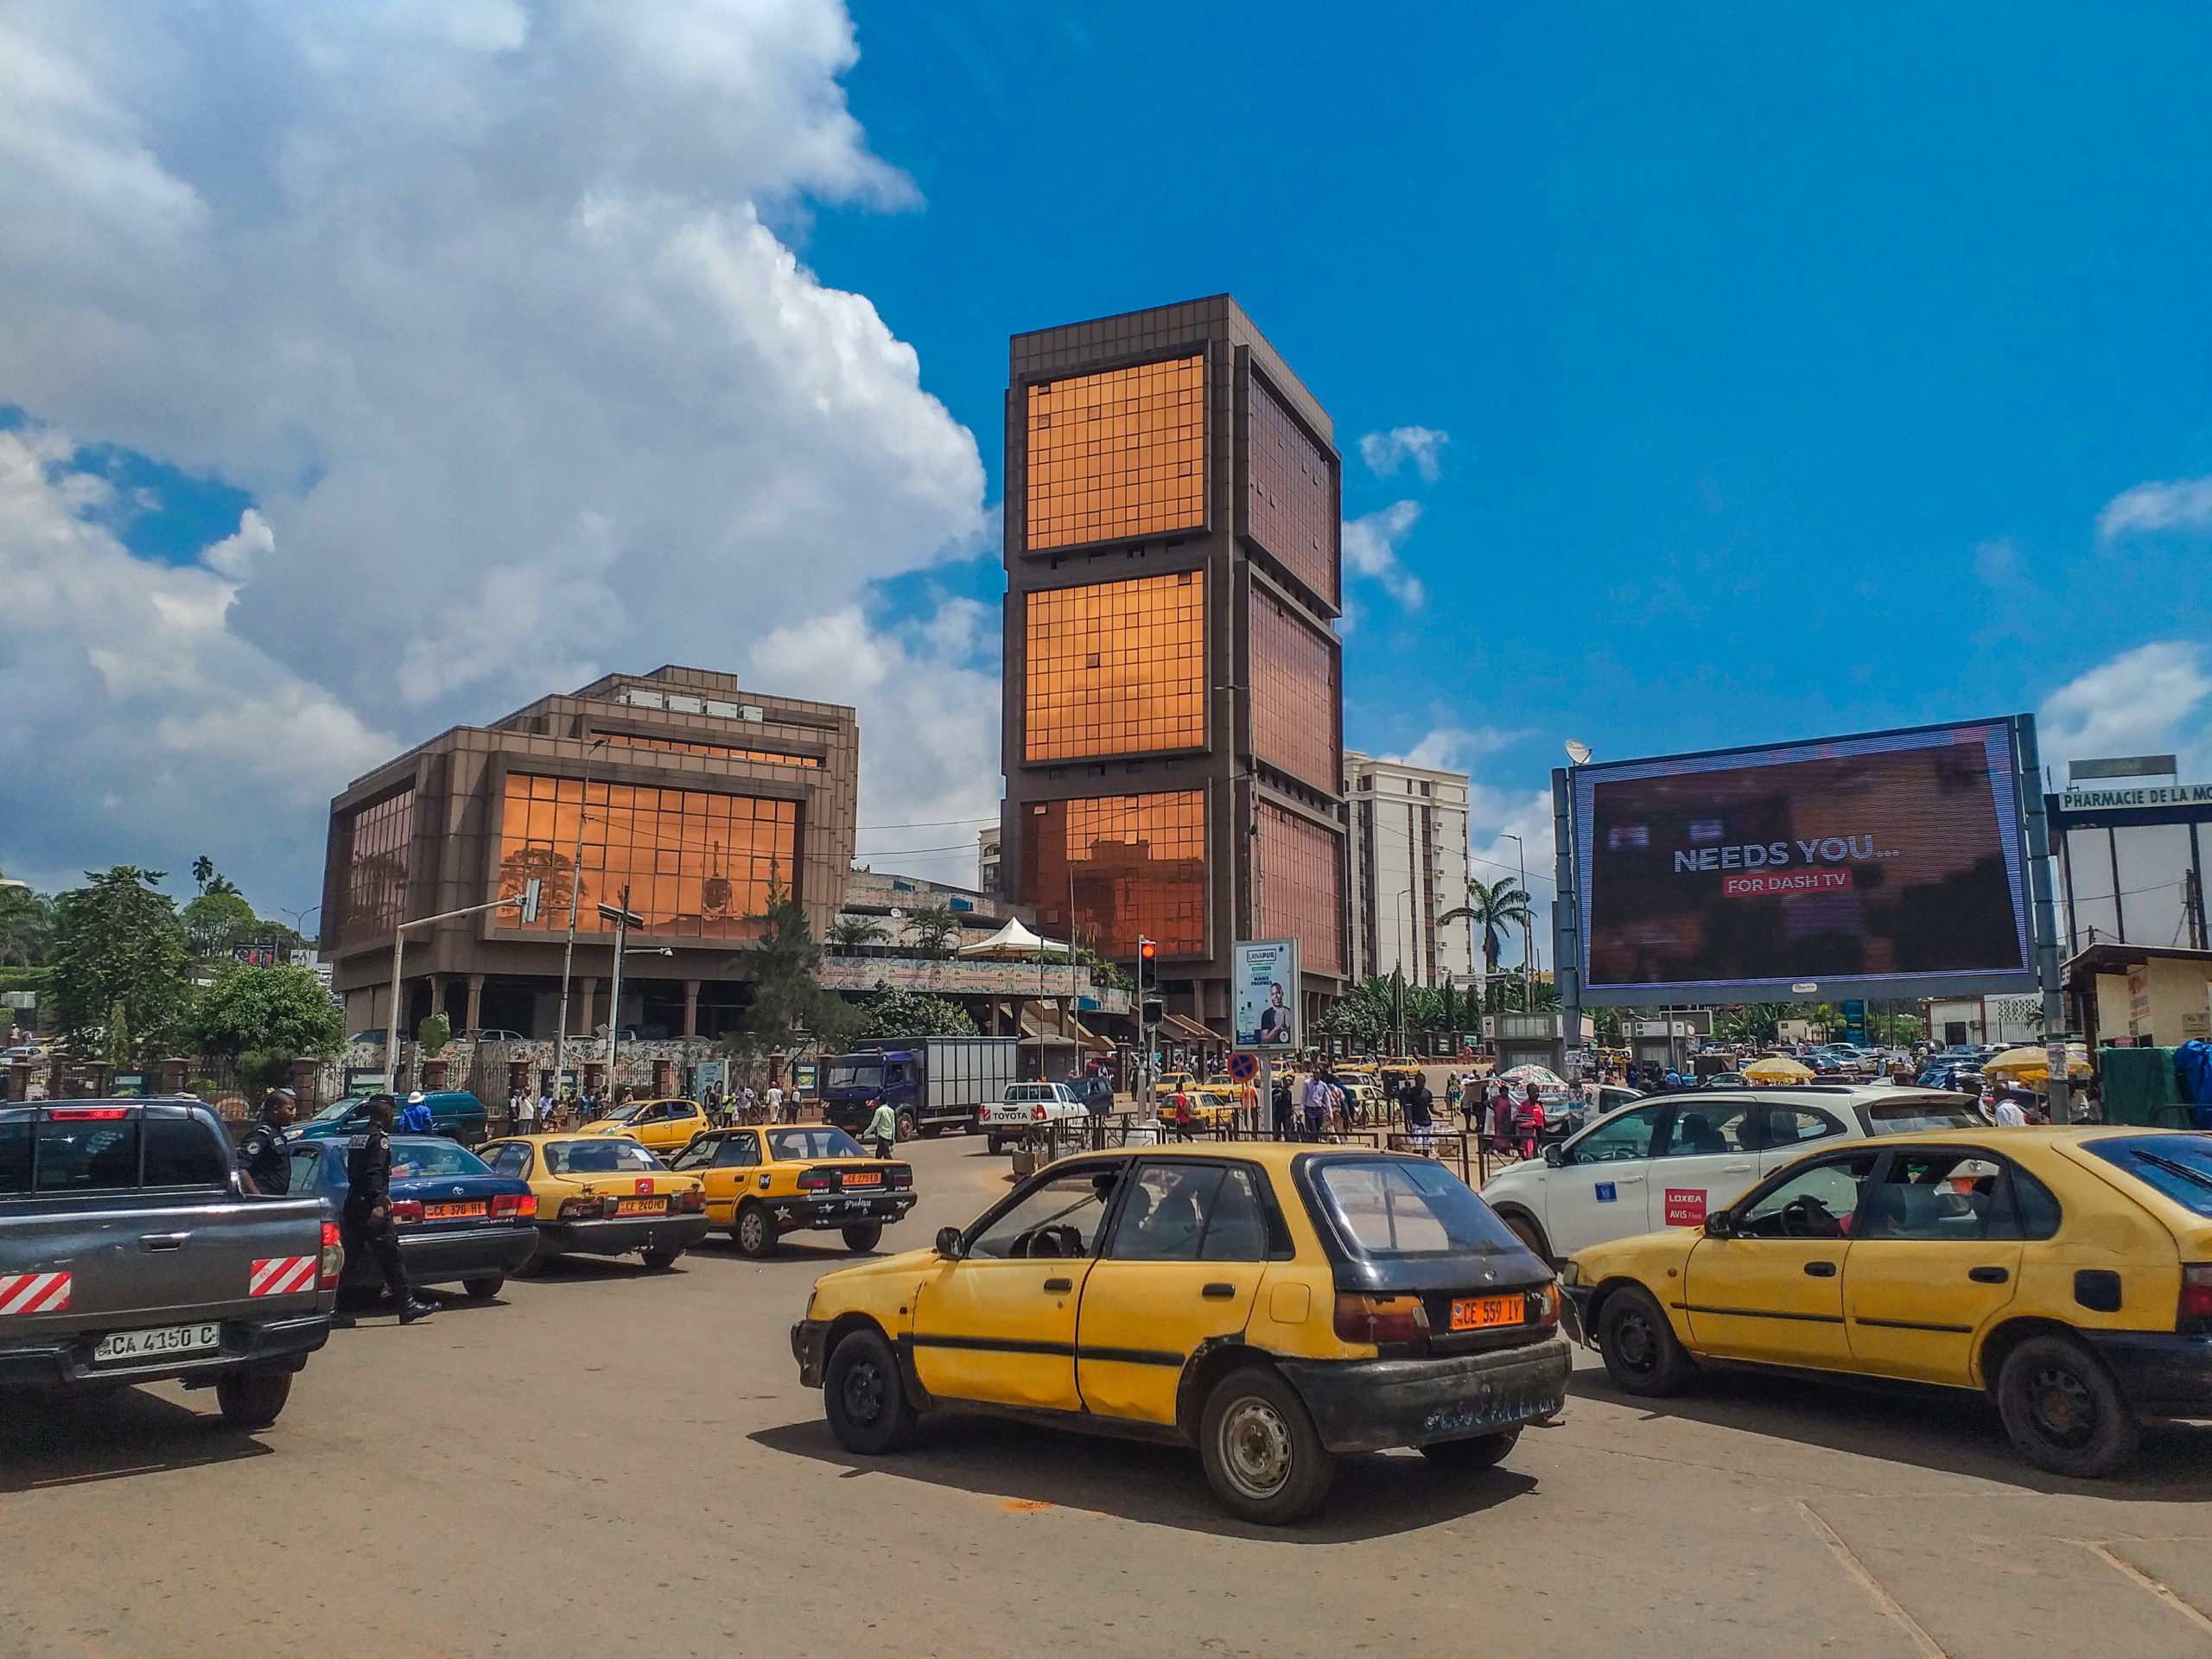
(1720, 1224)
(1555, 1155)
(948, 1244)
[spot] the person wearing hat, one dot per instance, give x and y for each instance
(365, 1221)
(417, 1119)
(262, 1162)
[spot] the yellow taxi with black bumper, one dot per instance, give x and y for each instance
(2066, 1273)
(602, 1195)
(761, 1183)
(664, 1126)
(1276, 1306)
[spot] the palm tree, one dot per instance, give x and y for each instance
(849, 932)
(1494, 904)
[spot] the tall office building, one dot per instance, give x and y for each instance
(1174, 685)
(1408, 866)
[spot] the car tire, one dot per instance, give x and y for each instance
(661, 1261)
(1525, 1229)
(2063, 1411)
(754, 1231)
(864, 1237)
(1480, 1452)
(910, 1127)
(1642, 1353)
(485, 1288)
(249, 1401)
(1263, 1456)
(996, 1145)
(864, 1398)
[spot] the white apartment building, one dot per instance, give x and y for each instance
(987, 862)
(1408, 866)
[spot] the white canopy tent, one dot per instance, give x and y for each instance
(1012, 942)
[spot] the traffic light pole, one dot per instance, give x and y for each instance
(527, 898)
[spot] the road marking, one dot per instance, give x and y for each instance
(2137, 1576)
(1921, 1640)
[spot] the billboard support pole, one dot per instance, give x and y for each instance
(1567, 920)
(2029, 772)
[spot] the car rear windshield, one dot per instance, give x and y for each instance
(602, 1156)
(790, 1145)
(2179, 1165)
(412, 1156)
(1393, 1207)
(1927, 1116)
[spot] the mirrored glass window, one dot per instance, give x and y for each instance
(1301, 888)
(1117, 667)
(1117, 454)
(1133, 865)
(719, 751)
(373, 891)
(1292, 513)
(1293, 694)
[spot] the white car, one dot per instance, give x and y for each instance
(1027, 1106)
(1670, 1161)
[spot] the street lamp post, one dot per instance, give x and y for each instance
(576, 890)
(1521, 852)
(624, 919)
(527, 898)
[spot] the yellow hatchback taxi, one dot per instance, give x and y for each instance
(1277, 1307)
(662, 1126)
(599, 1195)
(761, 1183)
(2065, 1272)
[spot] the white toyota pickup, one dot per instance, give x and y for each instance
(1027, 1106)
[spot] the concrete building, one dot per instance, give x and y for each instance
(689, 791)
(1173, 706)
(1408, 866)
(987, 843)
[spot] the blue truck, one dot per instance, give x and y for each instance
(932, 1083)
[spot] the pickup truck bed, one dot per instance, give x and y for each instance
(129, 1253)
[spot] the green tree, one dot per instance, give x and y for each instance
(204, 874)
(118, 1037)
(784, 967)
(119, 940)
(892, 1012)
(1357, 1019)
(1491, 905)
(216, 921)
(26, 927)
(849, 932)
(275, 1010)
(935, 928)
(433, 1033)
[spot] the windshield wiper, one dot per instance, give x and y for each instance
(2171, 1168)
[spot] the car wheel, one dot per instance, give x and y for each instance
(910, 1127)
(1479, 1452)
(1641, 1351)
(661, 1261)
(2063, 1409)
(755, 1232)
(250, 1402)
(484, 1289)
(1262, 1457)
(995, 1145)
(863, 1398)
(1531, 1236)
(864, 1237)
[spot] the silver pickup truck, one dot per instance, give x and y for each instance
(130, 1253)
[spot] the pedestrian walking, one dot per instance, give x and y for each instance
(1180, 1114)
(365, 1225)
(775, 1099)
(1420, 1121)
(262, 1162)
(1282, 1110)
(1313, 1103)
(883, 1127)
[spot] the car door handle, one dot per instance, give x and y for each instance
(1734, 1169)
(1987, 1275)
(1819, 1269)
(1051, 1285)
(1627, 1180)
(1219, 1292)
(162, 1240)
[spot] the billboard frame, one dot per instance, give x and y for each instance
(1574, 787)
(1286, 954)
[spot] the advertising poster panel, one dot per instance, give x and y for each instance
(1892, 861)
(1264, 975)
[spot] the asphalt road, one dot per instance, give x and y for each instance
(608, 1459)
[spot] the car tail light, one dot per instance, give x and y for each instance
(2197, 1293)
(817, 1180)
(693, 1201)
(1548, 1298)
(332, 1258)
(1380, 1319)
(1037, 1113)
(404, 1210)
(898, 1175)
(506, 1206)
(589, 1209)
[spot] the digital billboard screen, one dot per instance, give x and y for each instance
(1893, 863)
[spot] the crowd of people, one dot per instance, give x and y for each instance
(545, 1113)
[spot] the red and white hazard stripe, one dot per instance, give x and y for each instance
(280, 1276)
(34, 1292)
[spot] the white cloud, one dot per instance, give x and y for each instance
(1371, 543)
(1994, 562)
(486, 305)
(1385, 452)
(136, 724)
(1451, 748)
(2145, 701)
(1494, 815)
(2184, 504)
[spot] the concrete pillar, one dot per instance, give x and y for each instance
(664, 1080)
(589, 1000)
(168, 1076)
(475, 1002)
(19, 1079)
(437, 993)
(304, 1076)
(691, 1007)
(434, 1076)
(57, 1078)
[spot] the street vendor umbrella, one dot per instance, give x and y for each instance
(2033, 1064)
(1543, 1076)
(1776, 1069)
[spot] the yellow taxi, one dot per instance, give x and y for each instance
(663, 1126)
(602, 1195)
(1210, 1103)
(1274, 1305)
(2066, 1273)
(764, 1182)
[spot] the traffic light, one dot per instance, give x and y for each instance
(1147, 963)
(1155, 1010)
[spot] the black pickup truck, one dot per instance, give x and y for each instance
(130, 1253)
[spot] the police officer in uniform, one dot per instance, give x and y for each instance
(261, 1154)
(365, 1221)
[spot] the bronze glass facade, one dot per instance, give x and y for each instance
(1301, 887)
(1117, 667)
(372, 867)
(1135, 865)
(1293, 693)
(719, 751)
(1117, 454)
(697, 863)
(1292, 496)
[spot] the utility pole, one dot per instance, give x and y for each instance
(624, 919)
(575, 892)
(527, 898)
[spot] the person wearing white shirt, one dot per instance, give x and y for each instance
(2009, 1114)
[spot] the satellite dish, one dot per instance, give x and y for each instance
(1578, 753)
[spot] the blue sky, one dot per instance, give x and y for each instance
(1785, 371)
